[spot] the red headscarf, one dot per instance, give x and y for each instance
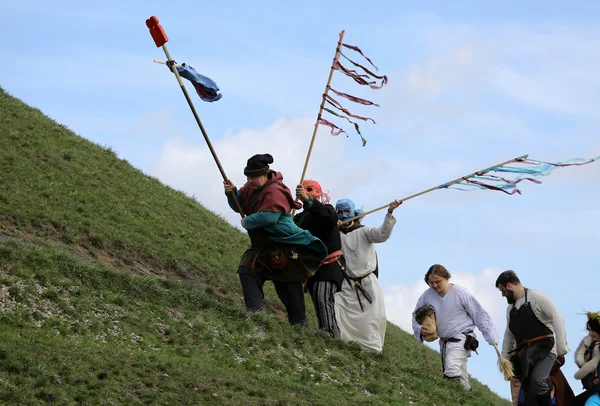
(314, 190)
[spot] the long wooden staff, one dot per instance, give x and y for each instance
(160, 39)
(338, 50)
(444, 185)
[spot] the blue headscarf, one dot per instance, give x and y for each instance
(346, 205)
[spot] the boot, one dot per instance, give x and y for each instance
(544, 400)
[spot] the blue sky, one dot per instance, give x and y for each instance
(471, 85)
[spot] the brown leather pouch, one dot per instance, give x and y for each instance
(277, 259)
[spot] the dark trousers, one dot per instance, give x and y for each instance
(323, 294)
(537, 388)
(291, 294)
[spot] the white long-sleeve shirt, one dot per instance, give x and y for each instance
(546, 312)
(455, 313)
(358, 247)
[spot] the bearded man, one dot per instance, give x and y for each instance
(534, 337)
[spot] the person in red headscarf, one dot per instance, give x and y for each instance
(320, 219)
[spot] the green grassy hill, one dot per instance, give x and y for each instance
(115, 289)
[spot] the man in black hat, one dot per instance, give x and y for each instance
(268, 203)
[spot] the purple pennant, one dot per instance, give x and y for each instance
(383, 78)
(356, 126)
(492, 187)
(358, 78)
(338, 106)
(514, 182)
(335, 130)
(354, 98)
(529, 161)
(357, 49)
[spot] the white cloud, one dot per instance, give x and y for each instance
(548, 67)
(156, 123)
(482, 82)
(457, 68)
(435, 90)
(550, 90)
(191, 168)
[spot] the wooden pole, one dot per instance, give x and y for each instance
(160, 39)
(491, 168)
(338, 50)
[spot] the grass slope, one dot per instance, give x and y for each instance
(115, 289)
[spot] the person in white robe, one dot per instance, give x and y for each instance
(457, 313)
(359, 306)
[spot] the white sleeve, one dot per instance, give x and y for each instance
(381, 233)
(545, 307)
(482, 319)
(588, 368)
(580, 352)
(509, 342)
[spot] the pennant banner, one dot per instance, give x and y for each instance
(357, 49)
(363, 76)
(358, 78)
(354, 98)
(335, 130)
(356, 127)
(337, 105)
(367, 73)
(522, 170)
